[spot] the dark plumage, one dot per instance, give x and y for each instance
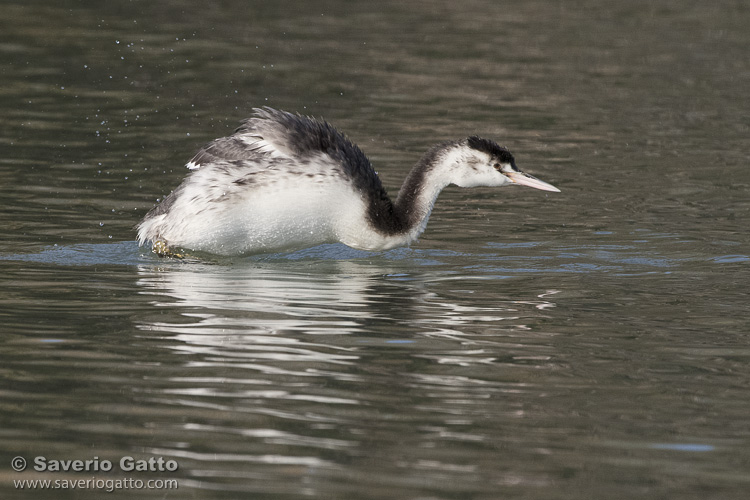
(492, 149)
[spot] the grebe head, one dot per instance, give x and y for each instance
(481, 162)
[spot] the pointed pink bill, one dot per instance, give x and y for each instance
(523, 179)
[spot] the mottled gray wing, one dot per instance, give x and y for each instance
(274, 139)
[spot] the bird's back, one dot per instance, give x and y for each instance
(275, 171)
(279, 140)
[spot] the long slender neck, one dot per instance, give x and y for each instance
(408, 215)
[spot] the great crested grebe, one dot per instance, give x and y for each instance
(283, 181)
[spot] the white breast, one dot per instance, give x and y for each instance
(301, 211)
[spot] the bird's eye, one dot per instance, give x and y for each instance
(497, 166)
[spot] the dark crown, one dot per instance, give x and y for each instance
(491, 148)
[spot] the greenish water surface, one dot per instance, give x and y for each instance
(591, 343)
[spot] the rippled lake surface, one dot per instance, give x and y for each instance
(591, 343)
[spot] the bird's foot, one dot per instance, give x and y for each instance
(161, 249)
